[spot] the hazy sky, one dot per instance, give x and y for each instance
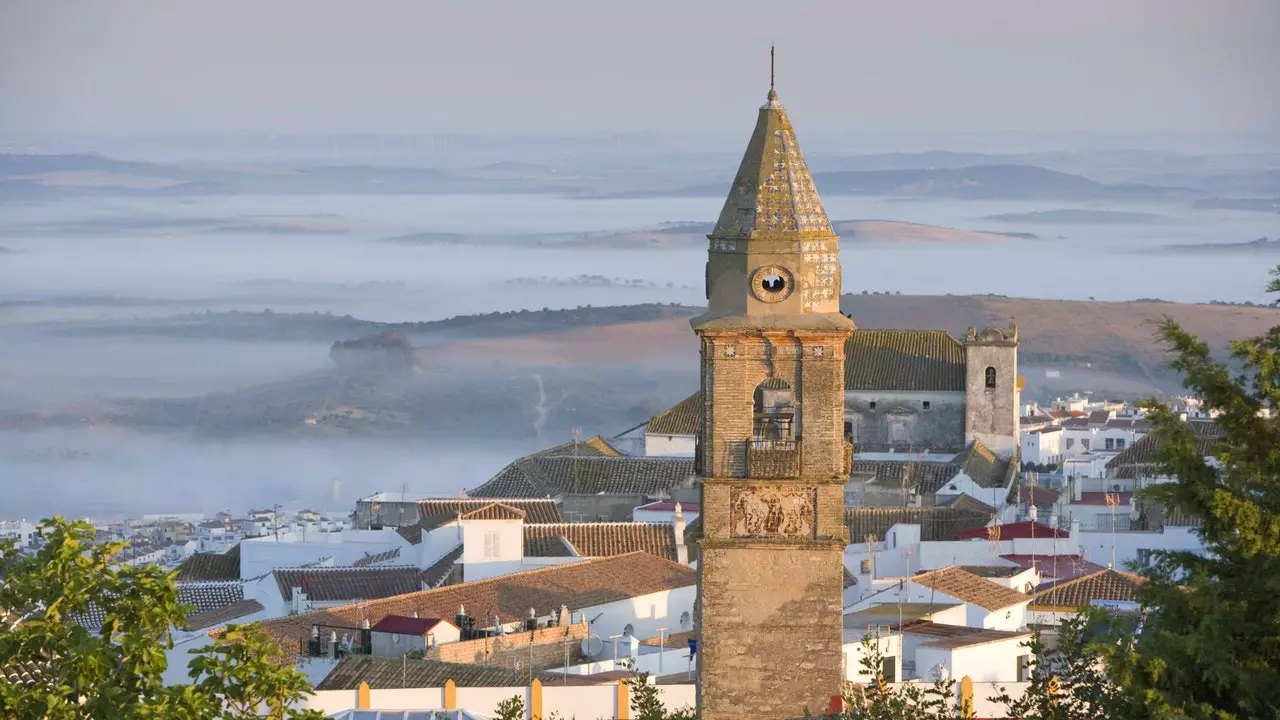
(323, 66)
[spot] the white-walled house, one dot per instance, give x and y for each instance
(1053, 602)
(663, 511)
(988, 605)
(398, 635)
(1042, 446)
(983, 656)
(674, 433)
(260, 555)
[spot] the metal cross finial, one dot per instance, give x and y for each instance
(771, 67)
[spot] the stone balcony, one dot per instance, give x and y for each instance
(773, 458)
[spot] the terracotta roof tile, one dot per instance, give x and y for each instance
(393, 673)
(224, 615)
(600, 539)
(330, 584)
(1140, 458)
(25, 672)
(975, 637)
(201, 596)
(1024, 530)
(935, 523)
(904, 360)
(984, 467)
(920, 477)
(595, 447)
(211, 566)
(411, 533)
(495, 511)
(1106, 584)
(407, 625)
(438, 511)
(542, 476)
(575, 585)
(969, 588)
(1055, 566)
(685, 418)
(443, 571)
(385, 556)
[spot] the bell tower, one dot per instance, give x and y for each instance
(771, 456)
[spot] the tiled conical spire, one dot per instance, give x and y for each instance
(773, 191)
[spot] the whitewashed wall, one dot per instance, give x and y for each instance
(669, 445)
(645, 614)
(260, 556)
(510, 536)
(1096, 546)
(595, 701)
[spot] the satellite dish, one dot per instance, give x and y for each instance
(592, 645)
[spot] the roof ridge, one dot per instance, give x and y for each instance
(603, 522)
(359, 568)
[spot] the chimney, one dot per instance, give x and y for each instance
(297, 599)
(564, 616)
(1077, 487)
(1075, 529)
(532, 623)
(677, 527)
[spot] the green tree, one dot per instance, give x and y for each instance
(646, 701)
(510, 709)
(116, 671)
(1209, 645)
(1069, 682)
(877, 700)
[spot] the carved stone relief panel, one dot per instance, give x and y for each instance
(764, 511)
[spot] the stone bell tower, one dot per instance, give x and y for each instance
(771, 455)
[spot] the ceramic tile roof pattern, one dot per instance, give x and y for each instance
(1140, 457)
(969, 588)
(904, 360)
(595, 446)
(685, 418)
(1106, 584)
(772, 191)
(201, 596)
(977, 637)
(576, 585)
(935, 523)
(406, 625)
(891, 614)
(385, 556)
(542, 476)
(438, 511)
(964, 501)
(600, 539)
(922, 478)
(391, 673)
(993, 571)
(211, 566)
(495, 511)
(984, 467)
(330, 584)
(222, 616)
(442, 571)
(24, 673)
(1055, 566)
(1036, 495)
(411, 533)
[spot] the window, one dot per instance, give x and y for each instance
(1070, 442)
(991, 377)
(1085, 443)
(873, 404)
(1144, 557)
(1111, 444)
(926, 405)
(889, 666)
(1024, 668)
(1119, 443)
(492, 545)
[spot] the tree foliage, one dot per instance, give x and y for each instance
(117, 671)
(1069, 681)
(878, 700)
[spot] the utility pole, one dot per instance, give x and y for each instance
(662, 648)
(275, 519)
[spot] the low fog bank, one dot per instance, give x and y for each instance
(78, 472)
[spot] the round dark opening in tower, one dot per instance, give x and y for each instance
(773, 283)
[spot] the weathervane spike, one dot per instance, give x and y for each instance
(770, 67)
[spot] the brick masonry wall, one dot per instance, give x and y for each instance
(548, 646)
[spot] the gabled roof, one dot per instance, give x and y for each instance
(442, 571)
(575, 585)
(223, 615)
(935, 523)
(1055, 566)
(685, 418)
(772, 192)
(969, 588)
(964, 501)
(438, 511)
(918, 477)
(495, 511)
(984, 467)
(993, 571)
(1140, 457)
(407, 625)
(975, 637)
(904, 360)
(542, 476)
(211, 566)
(1037, 496)
(393, 673)
(1106, 584)
(330, 584)
(201, 596)
(595, 446)
(370, 560)
(601, 539)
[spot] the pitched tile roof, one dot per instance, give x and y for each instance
(1105, 584)
(964, 501)
(576, 585)
(904, 360)
(391, 673)
(442, 571)
(1100, 498)
(920, 477)
(935, 523)
(201, 596)
(1055, 566)
(594, 447)
(993, 571)
(407, 625)
(976, 637)
(495, 511)
(411, 533)
(600, 539)
(438, 511)
(25, 672)
(969, 588)
(685, 418)
(224, 615)
(370, 560)
(1036, 495)
(542, 476)
(891, 614)
(984, 467)
(211, 566)
(330, 584)
(1140, 458)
